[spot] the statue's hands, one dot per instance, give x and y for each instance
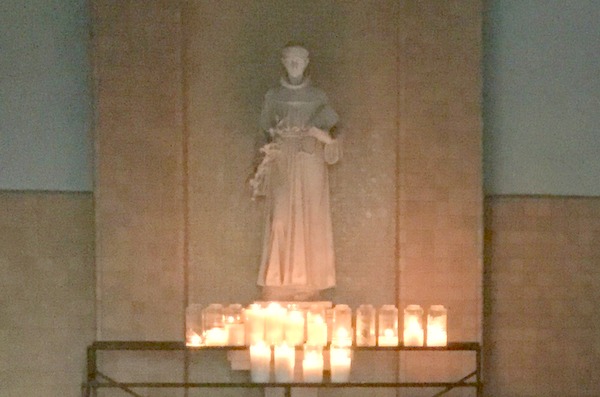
(320, 135)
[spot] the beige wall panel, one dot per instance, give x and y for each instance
(542, 288)
(353, 58)
(440, 210)
(46, 292)
(139, 182)
(139, 185)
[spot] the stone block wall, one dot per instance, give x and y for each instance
(542, 287)
(47, 298)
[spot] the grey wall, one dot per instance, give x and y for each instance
(45, 101)
(542, 104)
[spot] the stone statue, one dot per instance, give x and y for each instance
(298, 257)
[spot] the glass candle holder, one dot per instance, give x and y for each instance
(365, 325)
(413, 326)
(312, 364)
(234, 324)
(254, 322)
(437, 319)
(294, 326)
(316, 326)
(275, 316)
(193, 325)
(260, 362)
(341, 333)
(340, 359)
(214, 326)
(387, 334)
(284, 362)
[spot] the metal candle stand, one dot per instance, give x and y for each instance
(97, 380)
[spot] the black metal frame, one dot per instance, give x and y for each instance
(96, 379)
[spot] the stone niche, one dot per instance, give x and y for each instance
(178, 88)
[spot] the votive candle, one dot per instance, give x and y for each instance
(340, 361)
(284, 358)
(294, 326)
(312, 364)
(413, 326)
(260, 362)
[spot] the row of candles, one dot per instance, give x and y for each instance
(273, 332)
(273, 324)
(280, 361)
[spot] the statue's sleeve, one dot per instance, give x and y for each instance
(326, 118)
(267, 114)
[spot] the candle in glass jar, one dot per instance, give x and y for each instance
(236, 334)
(413, 334)
(294, 326)
(342, 337)
(413, 326)
(194, 340)
(316, 326)
(234, 324)
(388, 338)
(285, 358)
(340, 362)
(215, 337)
(254, 324)
(388, 326)
(317, 332)
(193, 325)
(312, 364)
(365, 325)
(437, 334)
(274, 322)
(260, 362)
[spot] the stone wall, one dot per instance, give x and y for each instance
(542, 278)
(47, 300)
(179, 87)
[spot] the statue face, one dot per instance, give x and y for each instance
(295, 65)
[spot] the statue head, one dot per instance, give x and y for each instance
(295, 60)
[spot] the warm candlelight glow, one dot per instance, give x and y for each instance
(312, 364)
(413, 333)
(216, 337)
(195, 340)
(285, 359)
(294, 327)
(342, 337)
(340, 362)
(413, 326)
(274, 322)
(389, 338)
(317, 331)
(437, 334)
(254, 324)
(260, 362)
(236, 334)
(341, 331)
(193, 325)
